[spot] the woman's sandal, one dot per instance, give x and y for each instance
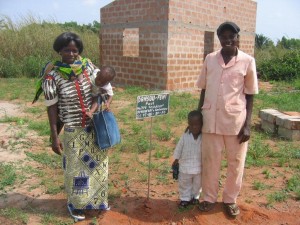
(206, 206)
(76, 214)
(231, 209)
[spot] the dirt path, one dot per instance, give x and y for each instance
(131, 205)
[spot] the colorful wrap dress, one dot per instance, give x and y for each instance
(85, 165)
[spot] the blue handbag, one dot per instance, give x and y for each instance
(107, 133)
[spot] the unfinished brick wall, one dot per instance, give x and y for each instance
(162, 43)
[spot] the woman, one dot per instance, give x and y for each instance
(68, 97)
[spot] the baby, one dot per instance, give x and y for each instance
(102, 87)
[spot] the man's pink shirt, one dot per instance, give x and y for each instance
(224, 108)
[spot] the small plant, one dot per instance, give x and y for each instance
(143, 145)
(267, 174)
(163, 177)
(94, 221)
(136, 128)
(257, 152)
(143, 177)
(8, 175)
(124, 177)
(162, 153)
(257, 185)
(293, 185)
(279, 196)
(163, 135)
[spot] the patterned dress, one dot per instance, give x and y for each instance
(85, 165)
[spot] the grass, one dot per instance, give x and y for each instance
(278, 196)
(52, 161)
(41, 127)
(257, 151)
(8, 175)
(14, 214)
(129, 160)
(293, 185)
(49, 219)
(258, 185)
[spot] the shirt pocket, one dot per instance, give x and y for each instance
(234, 78)
(235, 108)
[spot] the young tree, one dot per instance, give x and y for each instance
(263, 42)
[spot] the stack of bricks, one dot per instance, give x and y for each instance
(281, 124)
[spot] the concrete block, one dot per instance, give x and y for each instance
(289, 122)
(270, 115)
(269, 127)
(264, 113)
(293, 135)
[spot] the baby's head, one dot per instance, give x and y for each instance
(195, 122)
(105, 75)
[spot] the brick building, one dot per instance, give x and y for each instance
(161, 44)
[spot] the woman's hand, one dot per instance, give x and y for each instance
(57, 146)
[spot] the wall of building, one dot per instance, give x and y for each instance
(162, 44)
(134, 40)
(192, 35)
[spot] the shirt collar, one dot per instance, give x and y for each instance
(231, 63)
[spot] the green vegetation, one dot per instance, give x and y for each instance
(51, 161)
(27, 46)
(280, 62)
(14, 214)
(8, 175)
(128, 161)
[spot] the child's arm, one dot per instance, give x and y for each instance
(178, 151)
(175, 162)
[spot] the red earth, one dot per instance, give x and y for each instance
(131, 205)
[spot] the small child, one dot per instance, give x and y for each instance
(188, 154)
(102, 87)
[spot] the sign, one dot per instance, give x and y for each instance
(152, 105)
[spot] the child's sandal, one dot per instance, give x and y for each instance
(184, 204)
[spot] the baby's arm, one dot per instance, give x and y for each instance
(93, 107)
(108, 101)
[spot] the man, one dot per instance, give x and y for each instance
(228, 81)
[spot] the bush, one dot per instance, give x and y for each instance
(284, 67)
(27, 46)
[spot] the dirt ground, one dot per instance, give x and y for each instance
(133, 206)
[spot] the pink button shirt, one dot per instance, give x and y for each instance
(224, 107)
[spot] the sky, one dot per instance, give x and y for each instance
(275, 18)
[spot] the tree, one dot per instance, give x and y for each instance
(289, 43)
(263, 42)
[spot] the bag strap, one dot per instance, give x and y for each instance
(81, 103)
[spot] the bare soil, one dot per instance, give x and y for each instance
(132, 206)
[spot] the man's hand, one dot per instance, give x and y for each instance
(244, 134)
